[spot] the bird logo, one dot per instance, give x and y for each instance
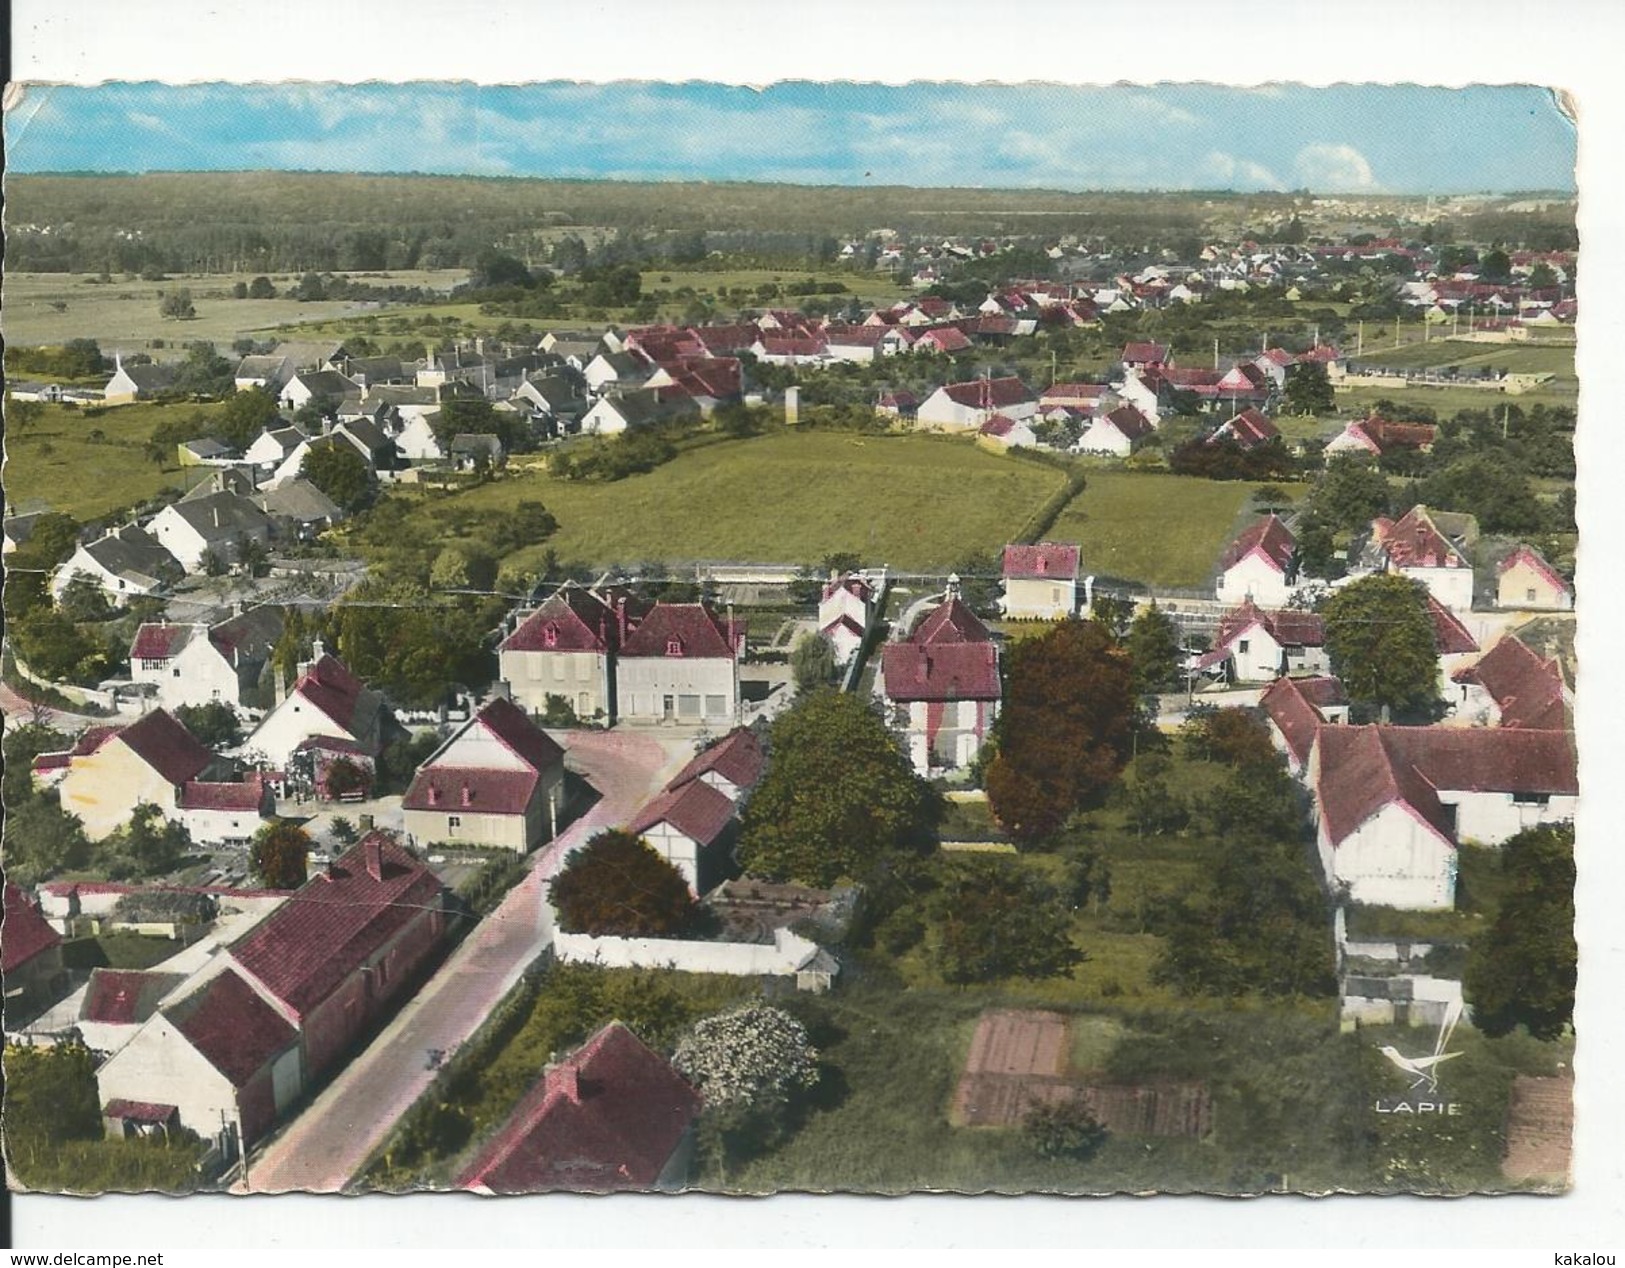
(1424, 1070)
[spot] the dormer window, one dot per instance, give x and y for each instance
(550, 635)
(674, 647)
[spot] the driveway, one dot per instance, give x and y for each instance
(324, 1148)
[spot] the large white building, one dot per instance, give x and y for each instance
(681, 664)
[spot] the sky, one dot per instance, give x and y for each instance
(1339, 139)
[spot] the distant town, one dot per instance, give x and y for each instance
(950, 711)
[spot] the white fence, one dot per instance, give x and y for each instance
(787, 955)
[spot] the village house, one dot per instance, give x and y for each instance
(269, 373)
(298, 510)
(1001, 432)
(1414, 546)
(155, 761)
(681, 664)
(690, 823)
(845, 608)
(328, 710)
(127, 563)
(197, 664)
(941, 685)
(966, 406)
(272, 1014)
(565, 648)
(1375, 436)
(1145, 356)
(612, 1115)
(497, 782)
(117, 1002)
(30, 960)
(614, 369)
(1296, 708)
(627, 411)
(1512, 685)
(213, 527)
(732, 765)
(1391, 803)
(1118, 433)
(1525, 581)
(1248, 429)
(309, 385)
(1040, 581)
(1255, 645)
(271, 449)
(137, 382)
(1260, 565)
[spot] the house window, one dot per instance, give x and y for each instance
(688, 706)
(1242, 646)
(453, 822)
(716, 706)
(1531, 799)
(674, 647)
(550, 636)
(176, 673)
(1528, 596)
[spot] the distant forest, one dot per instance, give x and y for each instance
(286, 222)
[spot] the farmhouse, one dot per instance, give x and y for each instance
(942, 686)
(1513, 686)
(1040, 581)
(126, 563)
(1000, 432)
(966, 406)
(1413, 546)
(566, 648)
(1259, 565)
(30, 959)
(681, 664)
(279, 1008)
(1391, 802)
(215, 527)
(1255, 645)
(1524, 580)
(1249, 429)
(1118, 433)
(1146, 356)
(268, 373)
(137, 382)
(1376, 436)
(1297, 708)
(198, 664)
(612, 1115)
(326, 703)
(845, 608)
(627, 411)
(298, 510)
(497, 782)
(732, 765)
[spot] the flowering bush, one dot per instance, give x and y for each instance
(748, 1058)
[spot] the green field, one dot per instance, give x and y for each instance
(906, 501)
(1163, 530)
(87, 465)
(123, 315)
(1515, 358)
(1448, 401)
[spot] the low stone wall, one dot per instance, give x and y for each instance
(786, 956)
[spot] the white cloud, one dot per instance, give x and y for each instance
(148, 122)
(1161, 111)
(1231, 172)
(1334, 169)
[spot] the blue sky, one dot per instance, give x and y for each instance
(1341, 139)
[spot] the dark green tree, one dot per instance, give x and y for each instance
(341, 473)
(149, 845)
(279, 855)
(1308, 390)
(1153, 645)
(1065, 729)
(83, 599)
(177, 305)
(813, 662)
(997, 920)
(215, 724)
(1521, 971)
(839, 794)
(261, 288)
(1349, 494)
(244, 416)
(1066, 1130)
(1379, 639)
(619, 885)
(1495, 265)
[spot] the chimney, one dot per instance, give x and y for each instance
(568, 1080)
(216, 516)
(501, 690)
(372, 850)
(318, 649)
(434, 794)
(468, 794)
(620, 617)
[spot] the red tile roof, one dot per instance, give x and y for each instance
(950, 622)
(989, 393)
(947, 339)
(1414, 541)
(165, 745)
(1285, 626)
(737, 757)
(25, 934)
(449, 789)
(1069, 393)
(1526, 689)
(125, 997)
(1531, 557)
(998, 425)
(1044, 560)
(332, 688)
(1390, 435)
(90, 739)
(1130, 422)
(158, 641)
(775, 345)
(237, 1032)
(942, 671)
(1294, 705)
(697, 810)
(303, 950)
(610, 1116)
(519, 735)
(692, 628)
(247, 795)
(1450, 636)
(856, 586)
(1144, 353)
(1269, 536)
(138, 1111)
(1362, 769)
(1248, 429)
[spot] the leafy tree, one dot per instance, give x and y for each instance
(813, 662)
(493, 268)
(1350, 494)
(261, 288)
(618, 884)
(1308, 390)
(1521, 971)
(755, 1057)
(1542, 276)
(310, 288)
(1153, 806)
(343, 830)
(51, 1093)
(1316, 553)
(279, 855)
(244, 416)
(1379, 639)
(319, 410)
(84, 600)
(838, 794)
(463, 566)
(1239, 737)
(54, 646)
(205, 372)
(177, 306)
(215, 724)
(239, 290)
(41, 838)
(1495, 265)
(1065, 730)
(1113, 613)
(149, 845)
(343, 777)
(1065, 1130)
(1153, 644)
(997, 920)
(341, 473)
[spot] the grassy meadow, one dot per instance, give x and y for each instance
(1152, 527)
(906, 501)
(86, 464)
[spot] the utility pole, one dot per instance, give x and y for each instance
(1359, 344)
(1215, 352)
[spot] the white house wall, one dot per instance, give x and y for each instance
(1394, 859)
(1491, 818)
(701, 689)
(1257, 578)
(161, 1066)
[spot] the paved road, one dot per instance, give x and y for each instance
(326, 1145)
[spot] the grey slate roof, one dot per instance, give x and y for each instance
(300, 501)
(221, 516)
(132, 552)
